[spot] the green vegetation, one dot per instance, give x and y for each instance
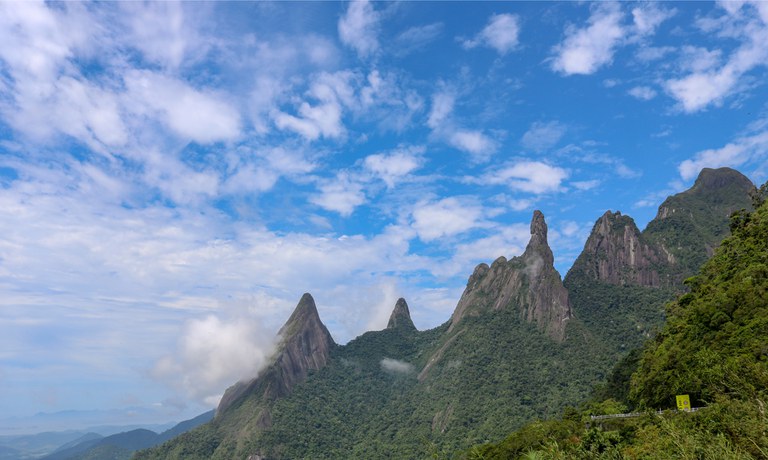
(714, 346)
(502, 373)
(695, 221)
(401, 393)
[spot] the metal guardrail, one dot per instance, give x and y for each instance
(640, 414)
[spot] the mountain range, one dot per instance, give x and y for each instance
(522, 344)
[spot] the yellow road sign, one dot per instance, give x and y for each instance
(683, 402)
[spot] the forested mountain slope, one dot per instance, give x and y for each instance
(520, 345)
(713, 347)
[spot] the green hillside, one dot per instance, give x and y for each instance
(520, 346)
(625, 307)
(713, 347)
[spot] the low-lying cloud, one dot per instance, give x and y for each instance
(396, 366)
(214, 353)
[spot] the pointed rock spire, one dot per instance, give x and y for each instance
(305, 344)
(538, 250)
(530, 283)
(401, 317)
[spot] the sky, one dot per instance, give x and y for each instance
(174, 176)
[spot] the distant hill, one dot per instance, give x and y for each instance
(121, 445)
(520, 345)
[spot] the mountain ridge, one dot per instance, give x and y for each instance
(521, 343)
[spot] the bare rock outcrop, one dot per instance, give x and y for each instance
(305, 344)
(616, 253)
(528, 283)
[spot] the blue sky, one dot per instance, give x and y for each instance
(173, 176)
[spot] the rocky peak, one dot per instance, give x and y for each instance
(401, 317)
(715, 188)
(305, 344)
(616, 253)
(715, 179)
(538, 241)
(528, 283)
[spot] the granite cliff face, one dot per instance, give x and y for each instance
(305, 344)
(616, 253)
(684, 233)
(528, 283)
(620, 282)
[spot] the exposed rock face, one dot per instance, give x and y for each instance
(305, 344)
(401, 317)
(529, 283)
(616, 253)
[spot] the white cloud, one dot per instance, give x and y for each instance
(376, 96)
(159, 31)
(358, 28)
(707, 84)
(644, 93)
(480, 146)
(528, 176)
(442, 108)
(501, 33)
(177, 181)
(445, 218)
(543, 136)
(394, 166)
(396, 366)
(315, 121)
(585, 50)
(648, 17)
(733, 154)
(202, 116)
(698, 60)
(213, 354)
(341, 195)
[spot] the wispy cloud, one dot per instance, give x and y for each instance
(394, 166)
(358, 28)
(444, 126)
(342, 194)
(527, 176)
(734, 154)
(446, 217)
(586, 50)
(213, 354)
(644, 93)
(416, 38)
(501, 33)
(709, 83)
(543, 136)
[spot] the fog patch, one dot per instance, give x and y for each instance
(396, 366)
